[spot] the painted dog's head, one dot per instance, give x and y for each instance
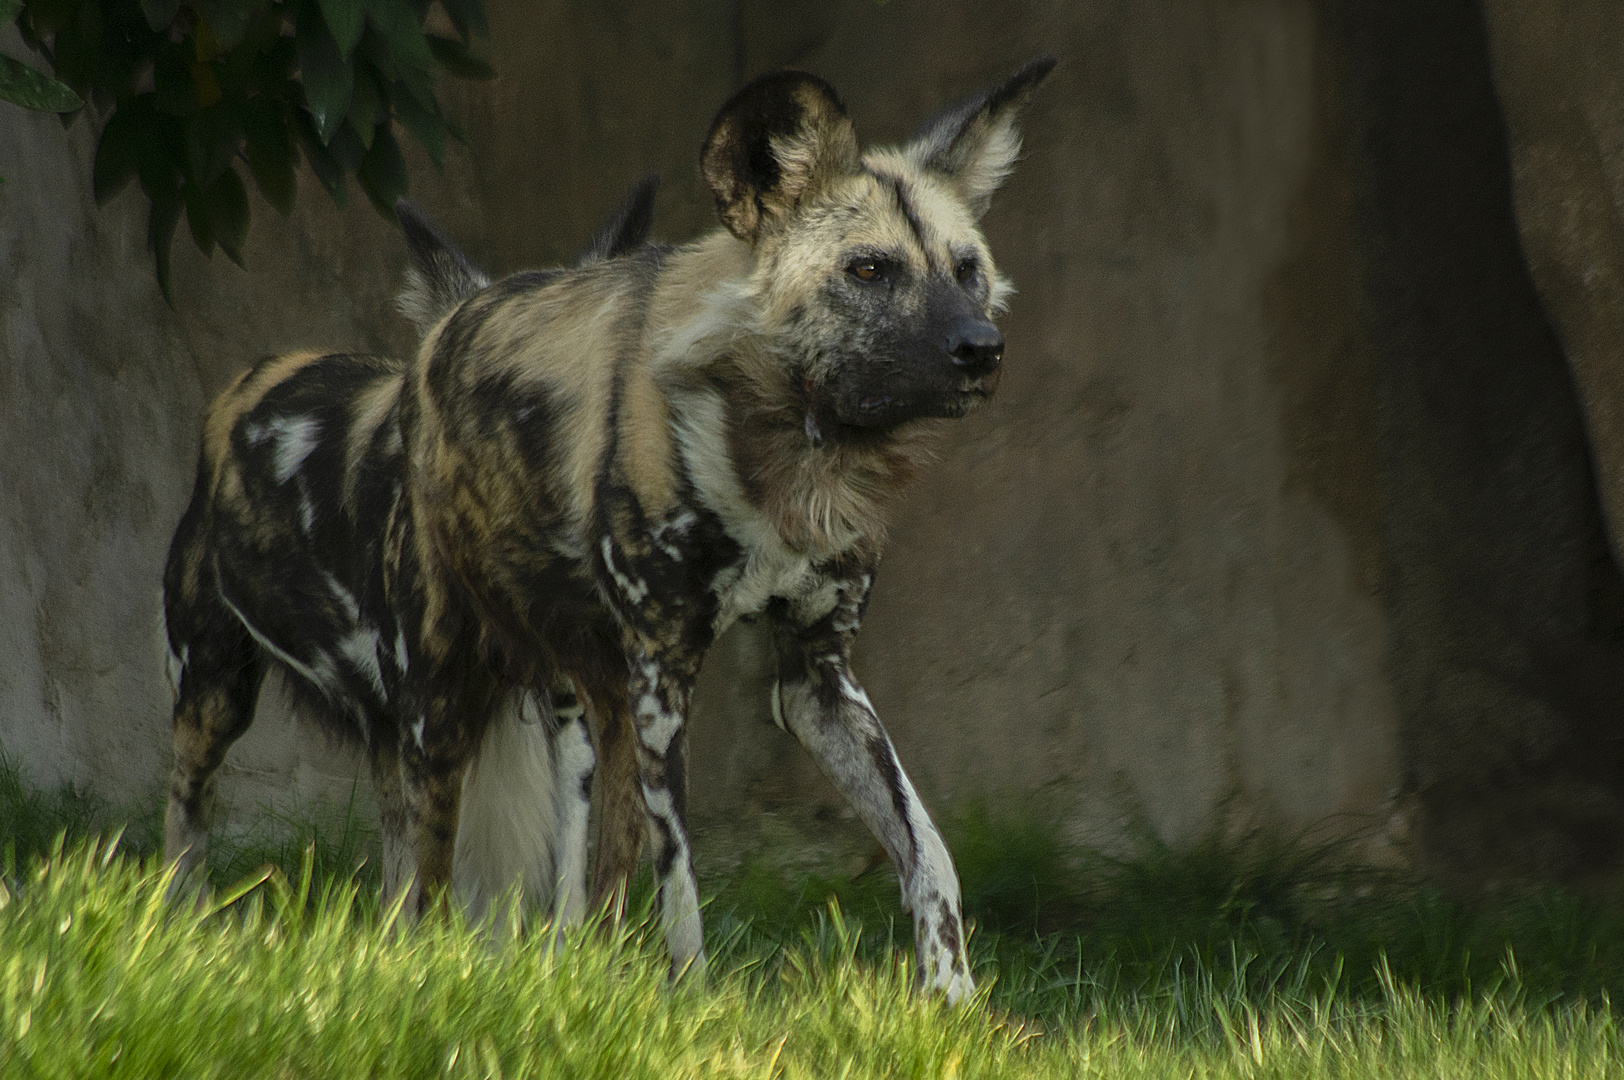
(874, 279)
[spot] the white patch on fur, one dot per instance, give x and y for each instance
(296, 437)
(307, 513)
(320, 672)
(674, 528)
(400, 651)
(770, 569)
(417, 730)
(716, 317)
(633, 591)
(506, 822)
(573, 764)
(343, 596)
(679, 892)
(655, 727)
(360, 648)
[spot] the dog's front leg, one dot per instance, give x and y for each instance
(659, 692)
(819, 701)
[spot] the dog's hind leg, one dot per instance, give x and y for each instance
(221, 669)
(622, 818)
(454, 726)
(383, 754)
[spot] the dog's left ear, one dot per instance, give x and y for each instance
(774, 143)
(975, 143)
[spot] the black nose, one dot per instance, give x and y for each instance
(975, 345)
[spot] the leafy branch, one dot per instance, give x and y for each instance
(22, 85)
(199, 87)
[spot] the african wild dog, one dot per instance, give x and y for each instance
(279, 561)
(605, 468)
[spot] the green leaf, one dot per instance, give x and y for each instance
(118, 153)
(22, 85)
(172, 80)
(218, 214)
(9, 10)
(345, 20)
(383, 173)
(327, 76)
(197, 218)
(227, 20)
(398, 24)
(212, 139)
(458, 59)
(467, 15)
(161, 222)
(425, 126)
(366, 104)
(322, 162)
(160, 151)
(226, 201)
(159, 13)
(271, 157)
(374, 49)
(347, 148)
(52, 16)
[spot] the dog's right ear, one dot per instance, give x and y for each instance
(775, 142)
(439, 276)
(627, 228)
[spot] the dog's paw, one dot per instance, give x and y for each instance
(947, 974)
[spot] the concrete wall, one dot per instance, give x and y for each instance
(1283, 511)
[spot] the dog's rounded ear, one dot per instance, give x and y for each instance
(772, 144)
(975, 143)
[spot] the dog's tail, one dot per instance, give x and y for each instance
(507, 823)
(439, 276)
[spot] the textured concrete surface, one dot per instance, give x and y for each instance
(102, 392)
(1284, 511)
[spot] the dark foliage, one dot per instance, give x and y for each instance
(198, 88)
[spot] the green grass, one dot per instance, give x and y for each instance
(1234, 957)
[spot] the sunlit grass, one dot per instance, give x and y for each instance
(1233, 957)
(99, 976)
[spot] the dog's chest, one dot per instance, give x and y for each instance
(764, 572)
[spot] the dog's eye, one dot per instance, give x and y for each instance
(864, 269)
(965, 270)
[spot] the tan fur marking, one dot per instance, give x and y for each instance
(245, 392)
(370, 407)
(645, 438)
